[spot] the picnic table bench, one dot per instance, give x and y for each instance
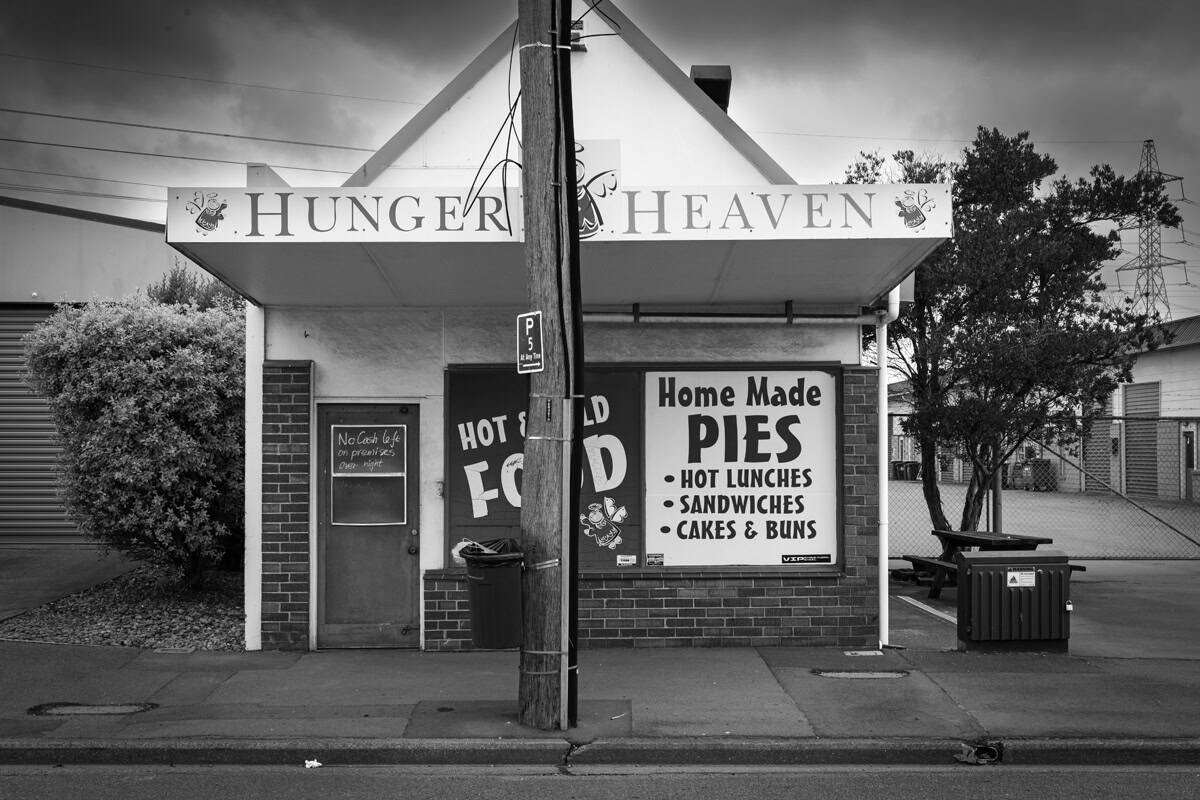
(943, 570)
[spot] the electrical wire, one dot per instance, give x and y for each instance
(934, 141)
(169, 129)
(476, 187)
(80, 177)
(508, 87)
(595, 6)
(120, 151)
(210, 80)
(79, 193)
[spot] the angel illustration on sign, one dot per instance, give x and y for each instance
(913, 206)
(599, 185)
(601, 521)
(207, 208)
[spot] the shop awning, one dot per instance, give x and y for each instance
(824, 249)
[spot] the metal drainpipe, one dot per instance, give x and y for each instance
(881, 345)
(696, 319)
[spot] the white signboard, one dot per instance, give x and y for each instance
(608, 211)
(1021, 578)
(531, 347)
(741, 468)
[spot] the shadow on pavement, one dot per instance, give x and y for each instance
(33, 576)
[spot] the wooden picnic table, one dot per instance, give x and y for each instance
(954, 541)
(943, 569)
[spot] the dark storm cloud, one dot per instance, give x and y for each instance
(413, 47)
(159, 35)
(170, 37)
(420, 32)
(1043, 32)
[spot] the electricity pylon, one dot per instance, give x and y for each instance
(1150, 293)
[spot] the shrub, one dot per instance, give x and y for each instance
(183, 286)
(147, 400)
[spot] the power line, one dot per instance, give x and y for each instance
(169, 129)
(210, 80)
(79, 193)
(164, 155)
(80, 177)
(936, 141)
(865, 138)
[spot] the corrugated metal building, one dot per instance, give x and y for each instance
(53, 255)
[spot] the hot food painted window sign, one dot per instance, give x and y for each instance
(485, 440)
(741, 468)
(609, 211)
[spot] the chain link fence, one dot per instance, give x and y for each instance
(1129, 488)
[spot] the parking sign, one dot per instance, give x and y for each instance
(530, 347)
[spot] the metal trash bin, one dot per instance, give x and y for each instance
(494, 593)
(1014, 600)
(1037, 474)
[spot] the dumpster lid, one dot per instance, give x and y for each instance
(1023, 558)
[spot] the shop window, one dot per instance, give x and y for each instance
(369, 481)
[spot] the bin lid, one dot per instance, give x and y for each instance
(492, 559)
(1019, 558)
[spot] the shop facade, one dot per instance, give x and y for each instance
(731, 475)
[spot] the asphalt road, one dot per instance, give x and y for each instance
(484, 783)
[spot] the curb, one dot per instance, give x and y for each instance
(260, 752)
(691, 751)
(895, 751)
(700, 751)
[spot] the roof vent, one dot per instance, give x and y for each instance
(714, 81)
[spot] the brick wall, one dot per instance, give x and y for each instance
(287, 393)
(726, 607)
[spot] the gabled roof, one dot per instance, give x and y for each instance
(1186, 331)
(499, 51)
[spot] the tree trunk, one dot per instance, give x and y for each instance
(985, 462)
(193, 573)
(929, 484)
(973, 502)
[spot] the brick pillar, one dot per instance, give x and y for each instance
(859, 590)
(286, 560)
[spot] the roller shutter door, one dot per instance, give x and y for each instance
(30, 509)
(1141, 439)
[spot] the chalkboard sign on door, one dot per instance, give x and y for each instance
(369, 481)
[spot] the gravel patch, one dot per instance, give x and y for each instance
(136, 610)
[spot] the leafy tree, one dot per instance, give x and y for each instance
(183, 286)
(1010, 334)
(147, 400)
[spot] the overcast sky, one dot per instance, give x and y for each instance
(813, 82)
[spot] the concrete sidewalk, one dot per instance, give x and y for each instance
(1129, 692)
(32, 576)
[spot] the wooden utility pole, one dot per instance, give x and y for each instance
(552, 457)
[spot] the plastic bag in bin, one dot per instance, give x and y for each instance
(469, 547)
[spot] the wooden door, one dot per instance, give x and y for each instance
(368, 564)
